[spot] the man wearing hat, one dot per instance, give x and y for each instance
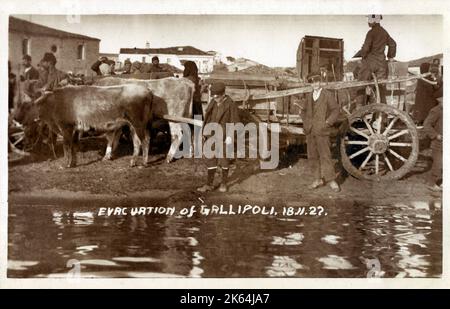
(319, 114)
(29, 72)
(156, 67)
(433, 129)
(52, 78)
(221, 110)
(372, 53)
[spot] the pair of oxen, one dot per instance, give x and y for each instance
(107, 106)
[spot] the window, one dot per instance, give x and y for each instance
(80, 52)
(143, 59)
(25, 47)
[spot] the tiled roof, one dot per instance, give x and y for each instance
(176, 50)
(20, 25)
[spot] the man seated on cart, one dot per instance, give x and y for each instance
(373, 56)
(320, 114)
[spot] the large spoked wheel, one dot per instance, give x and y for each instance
(381, 143)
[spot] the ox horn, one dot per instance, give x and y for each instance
(43, 97)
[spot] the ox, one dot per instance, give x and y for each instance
(74, 109)
(171, 96)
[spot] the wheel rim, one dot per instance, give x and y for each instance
(381, 143)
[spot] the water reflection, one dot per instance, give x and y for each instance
(403, 240)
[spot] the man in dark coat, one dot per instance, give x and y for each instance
(425, 99)
(433, 128)
(29, 72)
(221, 110)
(319, 115)
(191, 72)
(30, 76)
(372, 53)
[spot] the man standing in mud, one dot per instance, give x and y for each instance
(434, 130)
(319, 115)
(372, 53)
(221, 110)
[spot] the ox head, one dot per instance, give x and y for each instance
(27, 109)
(22, 101)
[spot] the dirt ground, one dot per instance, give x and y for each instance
(41, 179)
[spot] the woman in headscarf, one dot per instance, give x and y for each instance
(191, 73)
(425, 100)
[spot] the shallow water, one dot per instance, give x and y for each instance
(352, 240)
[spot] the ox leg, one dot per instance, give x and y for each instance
(115, 142)
(136, 146)
(145, 146)
(143, 135)
(67, 133)
(176, 137)
(110, 136)
(74, 148)
(52, 137)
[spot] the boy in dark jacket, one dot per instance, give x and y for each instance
(319, 115)
(221, 110)
(433, 128)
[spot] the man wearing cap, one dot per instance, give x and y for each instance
(29, 77)
(433, 129)
(156, 67)
(372, 53)
(319, 114)
(221, 110)
(53, 77)
(29, 72)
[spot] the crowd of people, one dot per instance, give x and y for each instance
(106, 67)
(36, 81)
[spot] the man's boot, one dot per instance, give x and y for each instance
(209, 182)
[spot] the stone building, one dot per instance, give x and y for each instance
(74, 52)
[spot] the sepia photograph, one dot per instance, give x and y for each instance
(225, 145)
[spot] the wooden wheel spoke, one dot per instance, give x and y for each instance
(388, 162)
(377, 164)
(359, 132)
(368, 125)
(345, 108)
(398, 134)
(359, 152)
(347, 142)
(366, 160)
(395, 154)
(398, 144)
(19, 140)
(389, 127)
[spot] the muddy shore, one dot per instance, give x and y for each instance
(40, 180)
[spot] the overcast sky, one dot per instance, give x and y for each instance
(269, 39)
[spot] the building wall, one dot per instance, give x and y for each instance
(66, 54)
(135, 57)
